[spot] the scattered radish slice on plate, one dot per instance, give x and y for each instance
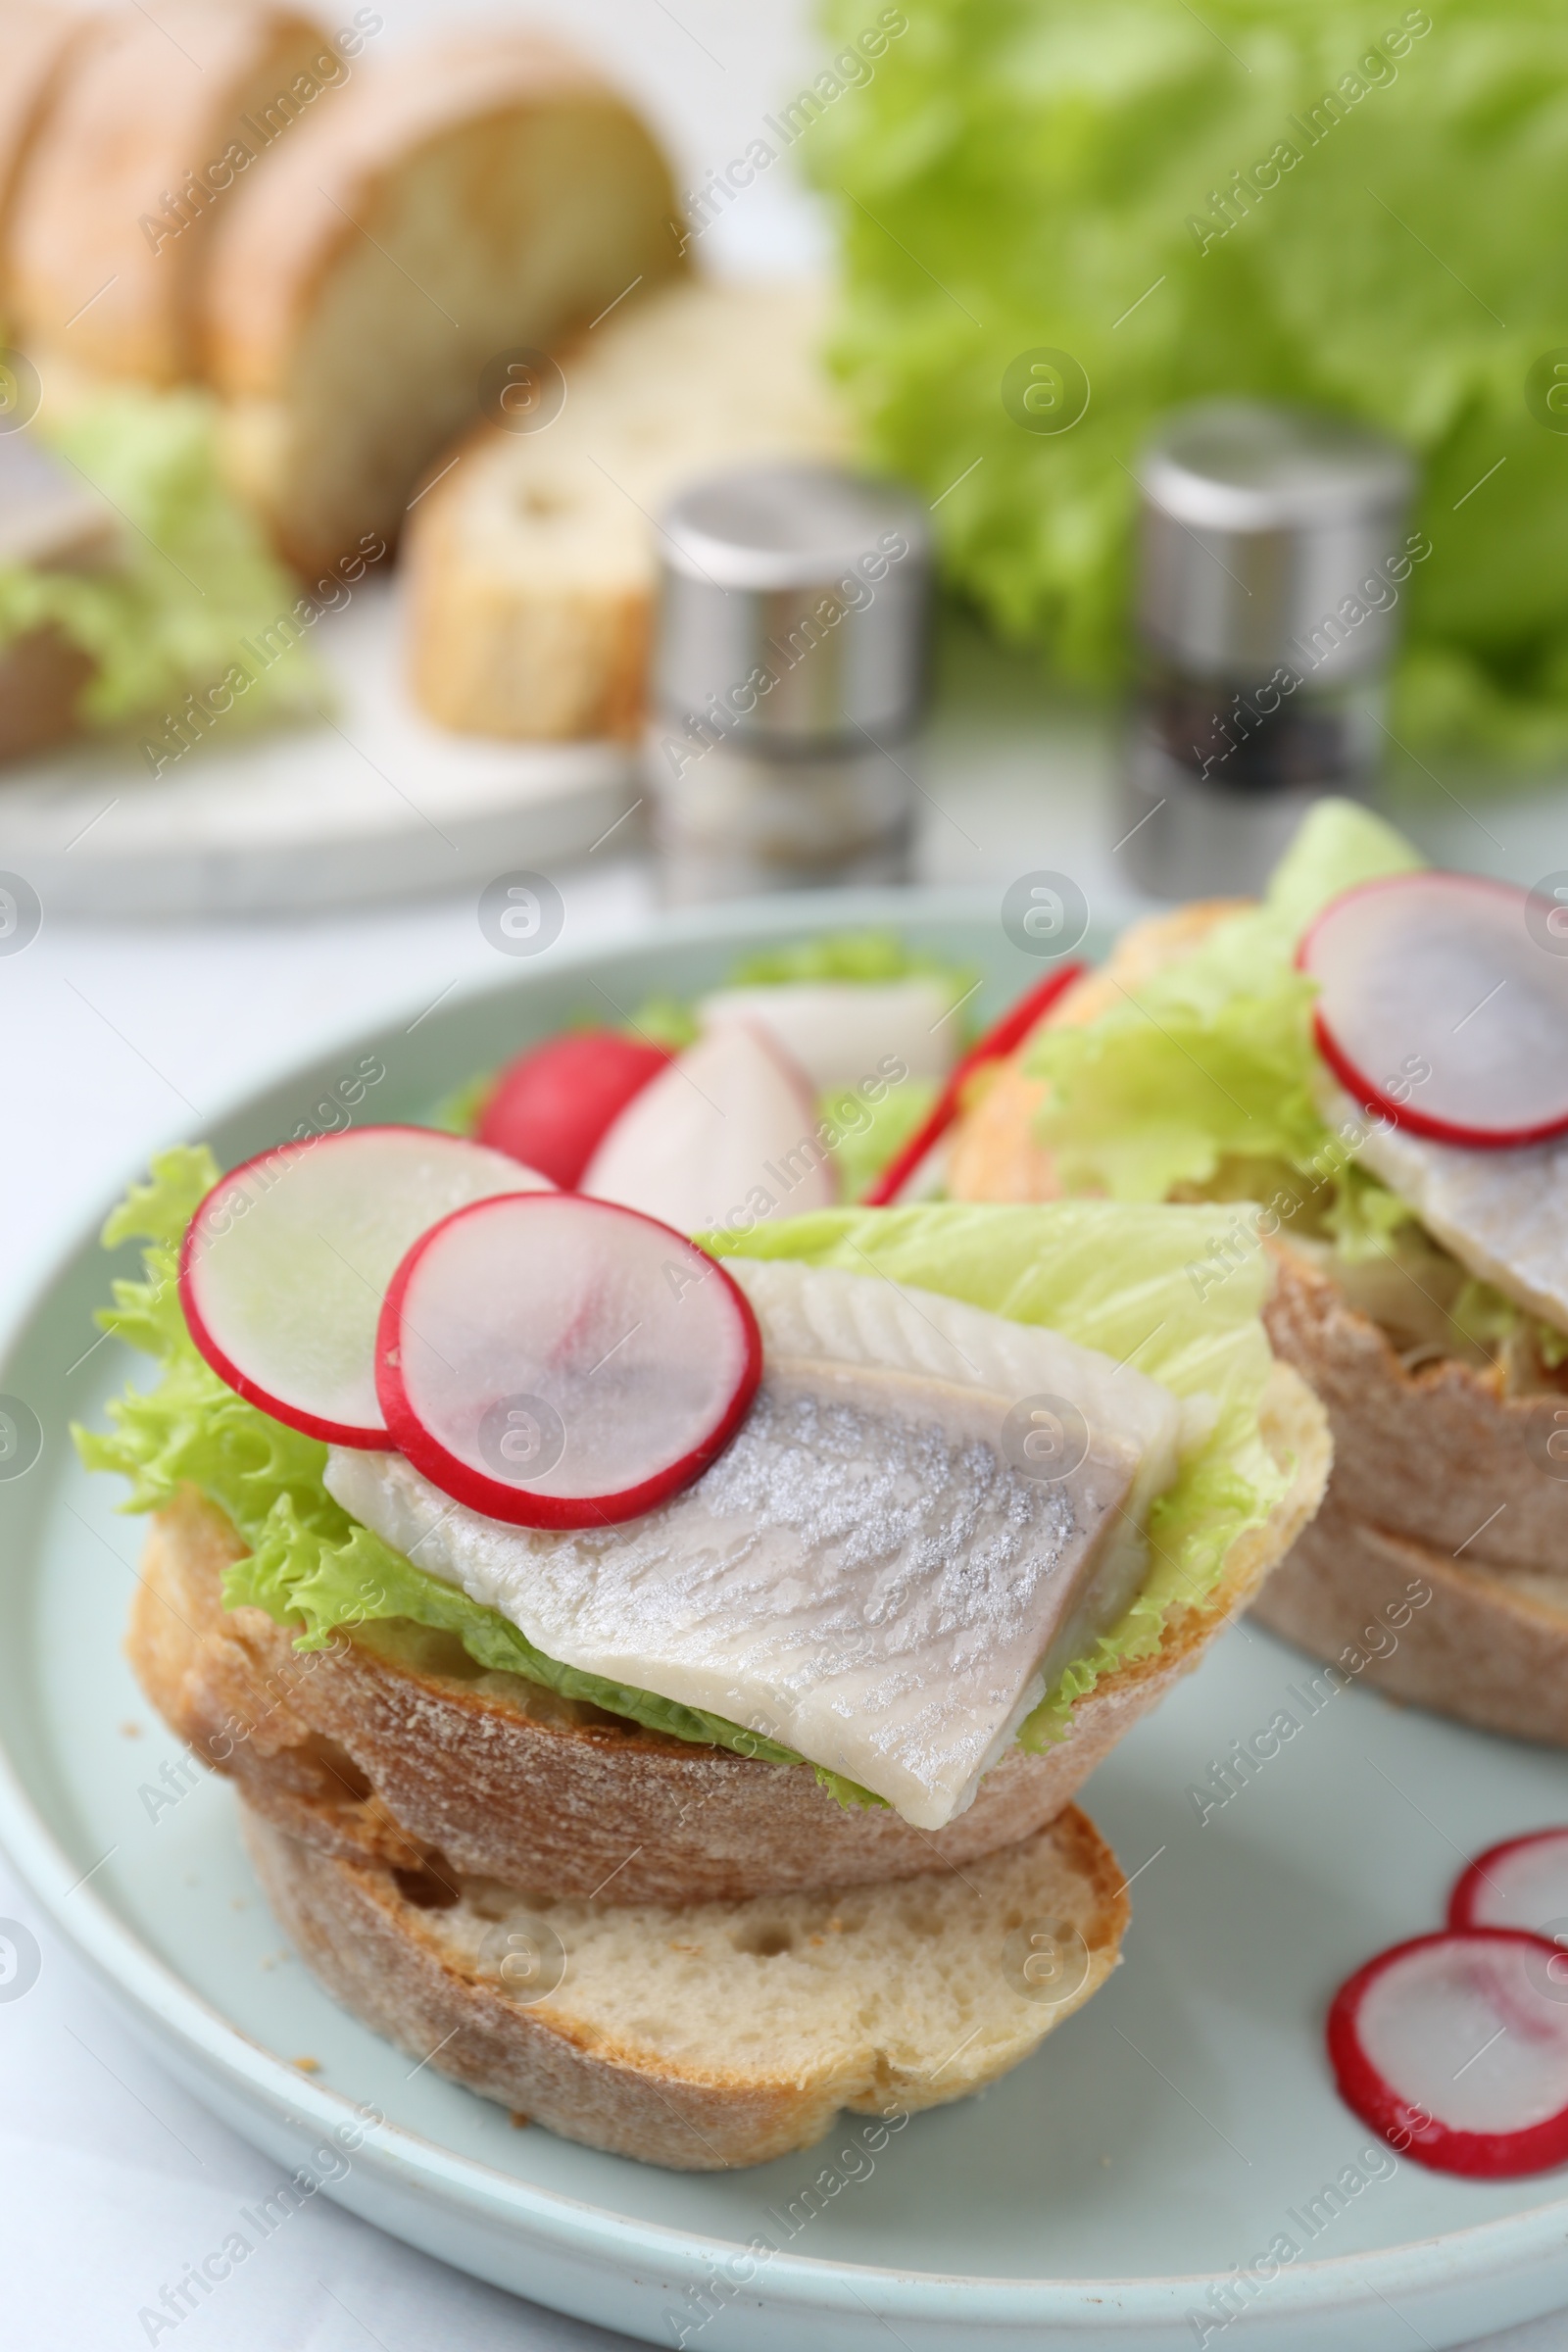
(287, 1260)
(1454, 2047)
(725, 1135)
(911, 1173)
(1521, 1884)
(557, 1361)
(553, 1103)
(1442, 973)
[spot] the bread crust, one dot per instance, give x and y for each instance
(1486, 1646)
(142, 104)
(369, 1758)
(1436, 1473)
(594, 2066)
(37, 44)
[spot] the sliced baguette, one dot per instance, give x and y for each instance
(532, 564)
(714, 2034)
(1434, 1466)
(488, 194)
(394, 1753)
(116, 209)
(37, 44)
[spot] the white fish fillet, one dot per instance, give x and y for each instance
(839, 1030)
(1503, 1214)
(862, 1575)
(726, 1134)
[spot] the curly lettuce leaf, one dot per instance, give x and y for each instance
(310, 1564)
(194, 580)
(1211, 1059)
(1108, 182)
(1119, 1279)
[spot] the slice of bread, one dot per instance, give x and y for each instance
(114, 213)
(714, 2034)
(455, 205)
(394, 1748)
(532, 562)
(1436, 1472)
(35, 49)
(1487, 1644)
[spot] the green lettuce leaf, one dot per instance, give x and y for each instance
(1107, 180)
(196, 578)
(1120, 1279)
(1211, 1059)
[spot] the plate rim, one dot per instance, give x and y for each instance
(162, 2004)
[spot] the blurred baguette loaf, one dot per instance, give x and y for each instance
(36, 43)
(531, 563)
(154, 123)
(454, 204)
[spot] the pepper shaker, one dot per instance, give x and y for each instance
(788, 681)
(1273, 561)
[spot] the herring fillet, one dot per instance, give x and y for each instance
(1501, 1212)
(863, 1573)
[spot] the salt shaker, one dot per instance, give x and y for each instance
(1273, 566)
(788, 679)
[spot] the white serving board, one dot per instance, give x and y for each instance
(378, 804)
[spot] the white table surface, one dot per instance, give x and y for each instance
(118, 1036)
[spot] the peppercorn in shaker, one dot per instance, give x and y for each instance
(1273, 562)
(788, 679)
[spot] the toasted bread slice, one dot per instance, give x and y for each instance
(532, 564)
(714, 2034)
(394, 1746)
(1487, 1644)
(157, 122)
(455, 205)
(1433, 1466)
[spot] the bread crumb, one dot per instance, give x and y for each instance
(307, 2066)
(130, 1731)
(239, 1902)
(693, 1948)
(518, 2122)
(1104, 2160)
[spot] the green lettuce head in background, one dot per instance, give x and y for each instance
(1338, 203)
(1116, 1278)
(193, 580)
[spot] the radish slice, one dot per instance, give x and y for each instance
(551, 1106)
(836, 1031)
(1454, 2047)
(286, 1262)
(1438, 972)
(913, 1173)
(1520, 1884)
(727, 1135)
(554, 1361)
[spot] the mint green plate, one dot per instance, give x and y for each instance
(1106, 2191)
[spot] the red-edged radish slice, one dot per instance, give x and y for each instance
(556, 1361)
(551, 1106)
(727, 1135)
(286, 1262)
(1438, 973)
(907, 1175)
(1455, 2047)
(1521, 1884)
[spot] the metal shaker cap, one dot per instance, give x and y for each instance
(1266, 529)
(793, 605)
